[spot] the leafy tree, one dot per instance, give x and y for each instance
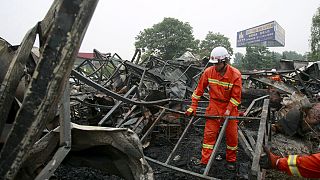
(213, 40)
(238, 60)
(274, 61)
(167, 39)
(315, 37)
(257, 58)
(292, 55)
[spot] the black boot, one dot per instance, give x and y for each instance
(231, 166)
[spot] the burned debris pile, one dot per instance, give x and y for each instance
(125, 119)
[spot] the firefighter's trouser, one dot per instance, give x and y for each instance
(211, 132)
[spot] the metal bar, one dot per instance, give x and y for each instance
(182, 73)
(96, 69)
(127, 115)
(115, 107)
(252, 103)
(114, 73)
(153, 124)
(216, 146)
(142, 78)
(211, 117)
(255, 168)
(137, 124)
(113, 94)
(179, 141)
(180, 170)
(166, 62)
(81, 64)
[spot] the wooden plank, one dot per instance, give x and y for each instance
(245, 144)
(48, 81)
(255, 168)
(14, 74)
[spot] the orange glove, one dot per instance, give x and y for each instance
(272, 158)
(191, 110)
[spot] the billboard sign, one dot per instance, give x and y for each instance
(270, 34)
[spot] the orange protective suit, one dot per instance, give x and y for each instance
(276, 77)
(225, 94)
(302, 166)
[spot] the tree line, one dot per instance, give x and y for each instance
(170, 38)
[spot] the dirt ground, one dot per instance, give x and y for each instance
(163, 140)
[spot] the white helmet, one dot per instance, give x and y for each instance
(218, 54)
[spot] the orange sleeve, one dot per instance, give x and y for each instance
(305, 166)
(235, 98)
(202, 84)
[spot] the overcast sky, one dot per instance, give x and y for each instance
(116, 23)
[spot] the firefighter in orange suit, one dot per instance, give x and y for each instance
(225, 85)
(307, 166)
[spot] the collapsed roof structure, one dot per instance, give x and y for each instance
(120, 115)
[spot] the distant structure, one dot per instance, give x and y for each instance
(270, 34)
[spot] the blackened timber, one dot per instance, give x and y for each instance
(71, 19)
(255, 168)
(14, 74)
(246, 146)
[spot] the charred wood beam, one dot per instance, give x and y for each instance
(14, 74)
(255, 168)
(64, 119)
(54, 163)
(64, 37)
(245, 144)
(65, 138)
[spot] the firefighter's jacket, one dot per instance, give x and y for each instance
(302, 166)
(224, 91)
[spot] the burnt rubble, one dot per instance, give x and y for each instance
(114, 118)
